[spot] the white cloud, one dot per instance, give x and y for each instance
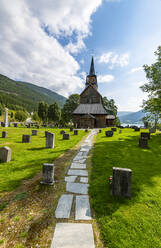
(114, 59)
(29, 41)
(133, 70)
(105, 78)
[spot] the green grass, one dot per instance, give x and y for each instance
(135, 222)
(27, 159)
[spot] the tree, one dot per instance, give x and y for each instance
(35, 116)
(20, 115)
(43, 111)
(110, 106)
(54, 112)
(70, 105)
(153, 87)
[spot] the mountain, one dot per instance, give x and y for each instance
(122, 113)
(133, 117)
(16, 94)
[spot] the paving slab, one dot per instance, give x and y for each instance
(78, 158)
(78, 166)
(70, 179)
(78, 188)
(76, 235)
(83, 211)
(80, 153)
(84, 180)
(64, 206)
(77, 173)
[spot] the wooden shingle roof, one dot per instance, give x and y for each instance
(95, 108)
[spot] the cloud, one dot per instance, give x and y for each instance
(105, 78)
(133, 70)
(29, 41)
(113, 59)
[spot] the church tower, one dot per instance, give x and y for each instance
(91, 79)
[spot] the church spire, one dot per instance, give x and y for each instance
(92, 71)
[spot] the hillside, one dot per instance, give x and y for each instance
(122, 113)
(133, 117)
(26, 95)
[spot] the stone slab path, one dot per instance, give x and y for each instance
(75, 235)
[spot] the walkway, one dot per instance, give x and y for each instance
(75, 235)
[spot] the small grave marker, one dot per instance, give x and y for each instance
(48, 174)
(143, 143)
(50, 140)
(34, 132)
(145, 135)
(75, 132)
(4, 134)
(62, 132)
(26, 138)
(5, 154)
(121, 182)
(114, 129)
(66, 136)
(109, 133)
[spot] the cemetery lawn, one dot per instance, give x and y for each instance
(27, 159)
(27, 207)
(135, 222)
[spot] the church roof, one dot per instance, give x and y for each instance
(92, 70)
(94, 108)
(90, 85)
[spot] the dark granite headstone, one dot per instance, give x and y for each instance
(86, 130)
(48, 174)
(145, 135)
(66, 136)
(62, 132)
(121, 182)
(75, 132)
(26, 138)
(5, 154)
(34, 132)
(152, 130)
(71, 129)
(120, 131)
(46, 132)
(100, 131)
(137, 129)
(143, 143)
(114, 129)
(4, 134)
(50, 137)
(15, 124)
(109, 133)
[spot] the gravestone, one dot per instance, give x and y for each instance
(109, 133)
(152, 130)
(71, 129)
(4, 134)
(145, 135)
(5, 154)
(137, 129)
(75, 132)
(26, 138)
(62, 132)
(15, 124)
(66, 136)
(46, 132)
(120, 131)
(121, 182)
(86, 130)
(50, 140)
(37, 126)
(6, 118)
(100, 131)
(34, 132)
(143, 143)
(114, 129)
(48, 174)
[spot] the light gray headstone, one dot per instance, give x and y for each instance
(48, 174)
(50, 137)
(5, 154)
(6, 118)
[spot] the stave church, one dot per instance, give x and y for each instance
(90, 113)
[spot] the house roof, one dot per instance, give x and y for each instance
(95, 108)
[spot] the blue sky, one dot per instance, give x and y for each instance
(49, 43)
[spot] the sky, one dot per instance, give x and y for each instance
(50, 43)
